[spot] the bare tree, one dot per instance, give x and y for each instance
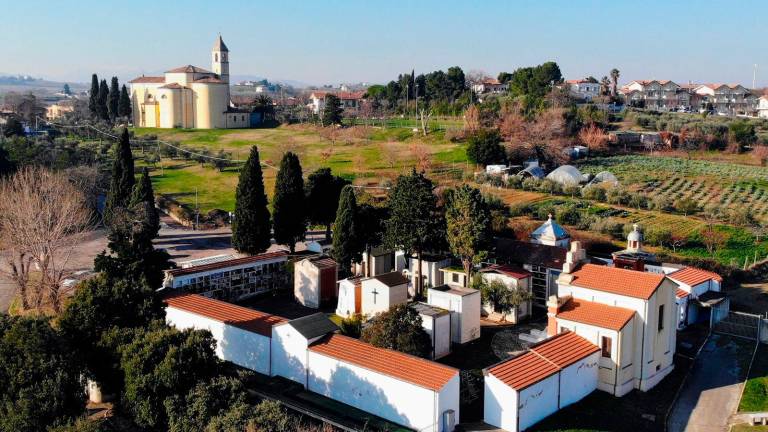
(42, 218)
(594, 138)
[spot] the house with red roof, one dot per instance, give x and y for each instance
(350, 101)
(700, 296)
(659, 95)
(490, 85)
(630, 315)
(728, 99)
(585, 88)
(514, 278)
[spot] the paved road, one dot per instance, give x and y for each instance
(711, 393)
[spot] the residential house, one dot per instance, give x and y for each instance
(58, 110)
(659, 95)
(699, 296)
(490, 85)
(232, 279)
(243, 336)
(585, 89)
(383, 291)
(350, 101)
(513, 277)
(727, 99)
(464, 306)
(762, 107)
(314, 281)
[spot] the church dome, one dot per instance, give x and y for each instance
(550, 231)
(635, 235)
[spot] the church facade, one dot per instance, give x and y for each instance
(188, 97)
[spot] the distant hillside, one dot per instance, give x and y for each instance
(26, 83)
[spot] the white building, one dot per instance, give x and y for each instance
(455, 275)
(375, 262)
(490, 85)
(290, 342)
(243, 336)
(464, 305)
(430, 270)
(729, 99)
(551, 233)
(583, 88)
(437, 323)
(550, 375)
(382, 292)
(350, 297)
(514, 278)
(404, 389)
(762, 107)
(350, 101)
(699, 296)
(314, 281)
(231, 279)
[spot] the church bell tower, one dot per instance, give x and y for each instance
(220, 59)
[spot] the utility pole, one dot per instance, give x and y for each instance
(754, 76)
(197, 211)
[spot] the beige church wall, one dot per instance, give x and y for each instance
(167, 99)
(202, 103)
(177, 77)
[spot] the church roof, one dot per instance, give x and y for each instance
(208, 80)
(219, 45)
(188, 69)
(550, 230)
(172, 86)
(147, 80)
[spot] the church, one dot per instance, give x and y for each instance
(189, 97)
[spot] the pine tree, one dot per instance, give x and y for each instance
(114, 99)
(468, 226)
(123, 179)
(251, 227)
(102, 103)
(93, 97)
(124, 105)
(290, 210)
(347, 245)
(332, 111)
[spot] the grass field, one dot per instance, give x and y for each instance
(755, 397)
(363, 154)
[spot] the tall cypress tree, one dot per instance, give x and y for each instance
(143, 203)
(114, 99)
(347, 245)
(290, 217)
(101, 104)
(123, 179)
(124, 104)
(323, 190)
(251, 229)
(93, 97)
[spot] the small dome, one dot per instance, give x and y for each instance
(635, 234)
(566, 175)
(550, 230)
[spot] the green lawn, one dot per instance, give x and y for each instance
(755, 397)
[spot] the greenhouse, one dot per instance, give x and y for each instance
(567, 175)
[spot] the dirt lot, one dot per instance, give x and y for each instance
(750, 297)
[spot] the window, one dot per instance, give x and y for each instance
(605, 346)
(661, 317)
(455, 277)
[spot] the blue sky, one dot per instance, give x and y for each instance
(351, 41)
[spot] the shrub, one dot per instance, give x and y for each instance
(514, 182)
(530, 183)
(484, 147)
(608, 226)
(617, 195)
(658, 236)
(352, 326)
(686, 206)
(594, 193)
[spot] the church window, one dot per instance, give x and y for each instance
(215, 57)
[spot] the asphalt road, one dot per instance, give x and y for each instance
(711, 393)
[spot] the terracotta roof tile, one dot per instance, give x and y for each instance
(509, 270)
(340, 95)
(543, 360)
(208, 80)
(227, 313)
(680, 293)
(323, 262)
(225, 264)
(417, 371)
(188, 69)
(147, 80)
(692, 276)
(596, 314)
(620, 281)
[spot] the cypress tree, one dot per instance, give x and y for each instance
(114, 99)
(143, 203)
(347, 245)
(93, 97)
(290, 217)
(332, 111)
(251, 228)
(101, 104)
(124, 104)
(123, 179)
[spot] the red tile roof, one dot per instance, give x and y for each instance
(228, 263)
(543, 360)
(323, 262)
(188, 69)
(147, 80)
(509, 270)
(630, 283)
(340, 95)
(692, 276)
(417, 371)
(681, 293)
(227, 313)
(596, 314)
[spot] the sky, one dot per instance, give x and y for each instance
(334, 41)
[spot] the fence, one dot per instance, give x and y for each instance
(740, 324)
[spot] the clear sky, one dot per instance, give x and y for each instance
(336, 41)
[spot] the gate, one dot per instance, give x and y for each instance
(738, 324)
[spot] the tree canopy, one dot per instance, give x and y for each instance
(323, 190)
(251, 231)
(290, 210)
(347, 243)
(468, 225)
(399, 329)
(484, 147)
(122, 180)
(332, 111)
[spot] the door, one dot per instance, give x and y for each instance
(358, 297)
